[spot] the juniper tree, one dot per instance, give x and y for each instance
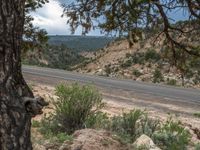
(132, 16)
(17, 103)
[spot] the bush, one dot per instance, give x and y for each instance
(136, 73)
(197, 114)
(126, 125)
(126, 63)
(35, 124)
(149, 126)
(74, 106)
(131, 125)
(157, 76)
(197, 146)
(128, 55)
(61, 137)
(108, 69)
(172, 136)
(98, 121)
(152, 55)
(196, 79)
(171, 81)
(138, 58)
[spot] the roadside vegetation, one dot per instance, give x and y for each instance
(197, 114)
(153, 65)
(79, 107)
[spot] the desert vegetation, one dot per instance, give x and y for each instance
(80, 107)
(144, 64)
(17, 102)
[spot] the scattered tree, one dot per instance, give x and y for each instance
(130, 17)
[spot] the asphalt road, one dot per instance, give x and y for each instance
(146, 90)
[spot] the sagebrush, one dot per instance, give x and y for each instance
(76, 107)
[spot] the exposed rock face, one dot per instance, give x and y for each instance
(145, 141)
(90, 139)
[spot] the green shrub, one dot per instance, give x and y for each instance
(172, 136)
(61, 137)
(58, 137)
(98, 121)
(136, 73)
(196, 79)
(152, 55)
(149, 126)
(108, 69)
(171, 82)
(35, 124)
(127, 63)
(138, 58)
(197, 114)
(141, 147)
(126, 125)
(128, 55)
(74, 106)
(129, 126)
(149, 65)
(157, 76)
(197, 146)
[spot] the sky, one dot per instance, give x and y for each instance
(49, 18)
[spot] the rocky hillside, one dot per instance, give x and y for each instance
(64, 52)
(60, 57)
(145, 61)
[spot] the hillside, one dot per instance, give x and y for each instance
(59, 57)
(65, 52)
(145, 61)
(80, 43)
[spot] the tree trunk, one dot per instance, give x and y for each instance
(17, 104)
(183, 79)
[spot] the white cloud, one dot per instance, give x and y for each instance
(49, 18)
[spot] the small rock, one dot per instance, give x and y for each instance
(146, 141)
(38, 147)
(65, 146)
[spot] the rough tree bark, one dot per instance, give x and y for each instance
(17, 104)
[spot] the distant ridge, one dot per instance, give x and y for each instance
(80, 43)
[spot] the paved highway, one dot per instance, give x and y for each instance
(161, 92)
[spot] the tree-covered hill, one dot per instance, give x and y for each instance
(80, 43)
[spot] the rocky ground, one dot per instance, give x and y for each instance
(102, 140)
(119, 60)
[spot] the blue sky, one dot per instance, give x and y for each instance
(49, 18)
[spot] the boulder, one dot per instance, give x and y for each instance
(146, 142)
(90, 139)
